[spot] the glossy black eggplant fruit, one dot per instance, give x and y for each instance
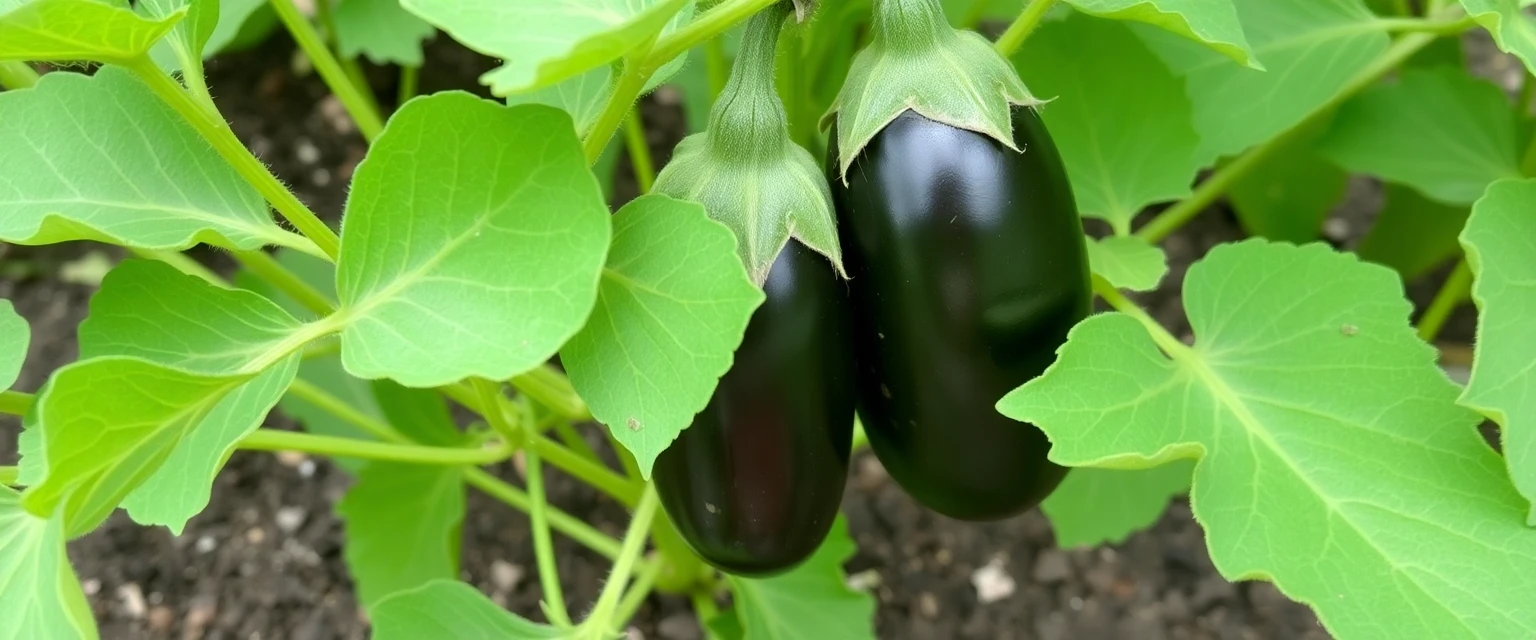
(755, 483)
(967, 268)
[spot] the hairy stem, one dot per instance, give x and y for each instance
(645, 579)
(351, 96)
(1456, 290)
(639, 151)
(15, 74)
(705, 26)
(274, 440)
(603, 623)
(632, 79)
(543, 551)
(1022, 26)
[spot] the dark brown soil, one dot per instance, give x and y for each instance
(264, 560)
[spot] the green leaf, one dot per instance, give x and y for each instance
(1127, 262)
(185, 45)
(812, 601)
(1212, 22)
(101, 158)
(1512, 27)
(582, 96)
(382, 30)
(40, 597)
(1310, 48)
(15, 334)
(67, 30)
(1291, 190)
(107, 424)
(1333, 458)
(472, 243)
(1107, 86)
(1413, 234)
(233, 16)
(448, 609)
(1500, 240)
(546, 41)
(1441, 131)
(420, 414)
(671, 311)
(403, 524)
(1098, 506)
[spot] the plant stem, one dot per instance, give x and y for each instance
(1455, 290)
(543, 551)
(343, 411)
(216, 131)
(1022, 26)
(183, 263)
(410, 79)
(1170, 219)
(274, 440)
(573, 528)
(552, 389)
(639, 151)
(632, 80)
(644, 580)
(1425, 25)
(8, 476)
(264, 266)
(573, 441)
(15, 403)
(600, 477)
(358, 106)
(716, 67)
(494, 410)
(634, 543)
(703, 27)
(15, 74)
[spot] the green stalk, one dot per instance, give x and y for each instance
(573, 528)
(15, 403)
(1456, 290)
(716, 67)
(410, 79)
(573, 441)
(264, 266)
(1022, 26)
(358, 106)
(343, 411)
(639, 151)
(602, 622)
(274, 440)
(183, 263)
(1425, 25)
(15, 74)
(600, 477)
(494, 411)
(8, 476)
(645, 579)
(216, 131)
(632, 78)
(705, 26)
(543, 551)
(552, 389)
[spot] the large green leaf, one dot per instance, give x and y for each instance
(672, 309)
(449, 609)
(811, 602)
(1332, 456)
(1441, 131)
(1212, 22)
(1500, 241)
(403, 524)
(1127, 262)
(1311, 48)
(1291, 191)
(1096, 506)
(65, 30)
(382, 30)
(472, 243)
(1512, 27)
(546, 41)
(1107, 86)
(15, 334)
(1413, 234)
(101, 158)
(40, 596)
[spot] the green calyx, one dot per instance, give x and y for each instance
(916, 61)
(747, 172)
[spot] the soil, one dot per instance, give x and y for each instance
(265, 559)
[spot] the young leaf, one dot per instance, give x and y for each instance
(69, 30)
(1097, 506)
(14, 336)
(101, 158)
(1127, 262)
(107, 424)
(403, 524)
(1413, 234)
(472, 243)
(672, 309)
(40, 597)
(1332, 457)
(1500, 240)
(1213, 23)
(450, 609)
(382, 30)
(1310, 48)
(1290, 192)
(810, 602)
(199, 19)
(546, 41)
(1441, 131)
(1512, 26)
(231, 17)
(1107, 86)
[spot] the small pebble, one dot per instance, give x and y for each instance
(133, 600)
(928, 605)
(289, 519)
(505, 575)
(291, 459)
(864, 580)
(1336, 229)
(205, 544)
(306, 151)
(321, 177)
(255, 535)
(992, 582)
(679, 626)
(307, 469)
(161, 619)
(90, 586)
(1076, 603)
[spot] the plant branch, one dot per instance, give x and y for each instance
(632, 79)
(367, 117)
(1022, 26)
(216, 131)
(645, 579)
(543, 551)
(15, 403)
(601, 623)
(1426, 25)
(274, 440)
(493, 408)
(1456, 289)
(573, 441)
(410, 79)
(600, 477)
(573, 528)
(553, 390)
(639, 151)
(703, 27)
(267, 268)
(15, 74)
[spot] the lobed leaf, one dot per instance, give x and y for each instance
(1096, 506)
(1213, 23)
(1127, 262)
(811, 601)
(1412, 233)
(15, 334)
(70, 30)
(40, 597)
(450, 609)
(403, 527)
(1512, 26)
(184, 46)
(382, 30)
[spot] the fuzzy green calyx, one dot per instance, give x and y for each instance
(747, 172)
(916, 61)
